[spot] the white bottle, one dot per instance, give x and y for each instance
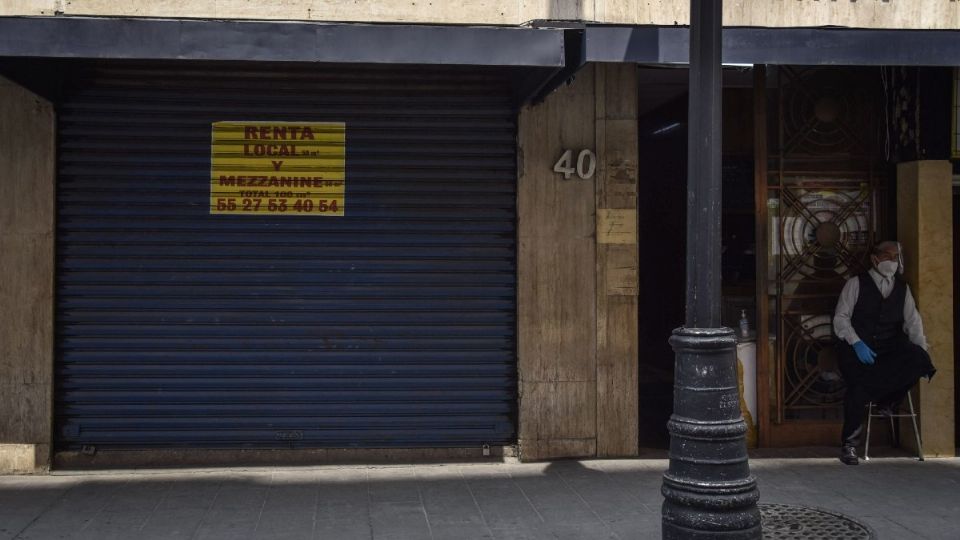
(744, 324)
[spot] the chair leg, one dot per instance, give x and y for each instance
(894, 435)
(916, 432)
(866, 444)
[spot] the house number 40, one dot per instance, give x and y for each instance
(586, 164)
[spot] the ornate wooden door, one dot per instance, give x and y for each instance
(818, 194)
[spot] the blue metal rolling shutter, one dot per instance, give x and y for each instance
(393, 326)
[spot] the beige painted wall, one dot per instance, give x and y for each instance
(938, 14)
(925, 229)
(577, 271)
(26, 290)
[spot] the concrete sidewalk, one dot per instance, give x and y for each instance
(617, 499)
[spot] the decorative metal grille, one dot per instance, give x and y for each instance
(823, 111)
(825, 233)
(823, 217)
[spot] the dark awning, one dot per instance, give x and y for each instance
(795, 46)
(167, 39)
(143, 39)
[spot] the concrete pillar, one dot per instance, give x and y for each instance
(556, 264)
(925, 230)
(617, 260)
(577, 269)
(27, 208)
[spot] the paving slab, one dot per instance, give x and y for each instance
(896, 496)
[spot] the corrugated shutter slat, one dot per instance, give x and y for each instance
(393, 326)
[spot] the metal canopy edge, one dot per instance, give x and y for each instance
(173, 39)
(143, 39)
(795, 46)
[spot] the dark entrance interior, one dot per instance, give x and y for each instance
(662, 161)
(662, 226)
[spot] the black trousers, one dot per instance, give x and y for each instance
(897, 368)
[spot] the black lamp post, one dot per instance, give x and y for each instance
(708, 490)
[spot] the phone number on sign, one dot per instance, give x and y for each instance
(276, 205)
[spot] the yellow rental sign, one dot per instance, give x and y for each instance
(285, 168)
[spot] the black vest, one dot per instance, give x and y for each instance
(878, 320)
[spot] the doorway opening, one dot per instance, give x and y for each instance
(662, 139)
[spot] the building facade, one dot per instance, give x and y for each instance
(313, 231)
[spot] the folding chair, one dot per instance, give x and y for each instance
(893, 433)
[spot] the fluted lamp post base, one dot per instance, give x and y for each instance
(708, 490)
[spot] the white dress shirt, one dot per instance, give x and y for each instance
(912, 325)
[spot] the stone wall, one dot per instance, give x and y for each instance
(577, 269)
(932, 14)
(925, 230)
(26, 290)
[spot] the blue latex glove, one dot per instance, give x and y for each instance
(864, 353)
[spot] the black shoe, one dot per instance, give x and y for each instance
(848, 455)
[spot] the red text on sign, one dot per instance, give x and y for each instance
(280, 133)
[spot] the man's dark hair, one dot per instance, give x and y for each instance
(880, 247)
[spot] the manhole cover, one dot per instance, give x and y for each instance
(787, 521)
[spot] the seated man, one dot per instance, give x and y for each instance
(885, 352)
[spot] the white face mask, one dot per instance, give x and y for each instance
(887, 268)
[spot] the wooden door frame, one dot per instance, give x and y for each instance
(760, 251)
